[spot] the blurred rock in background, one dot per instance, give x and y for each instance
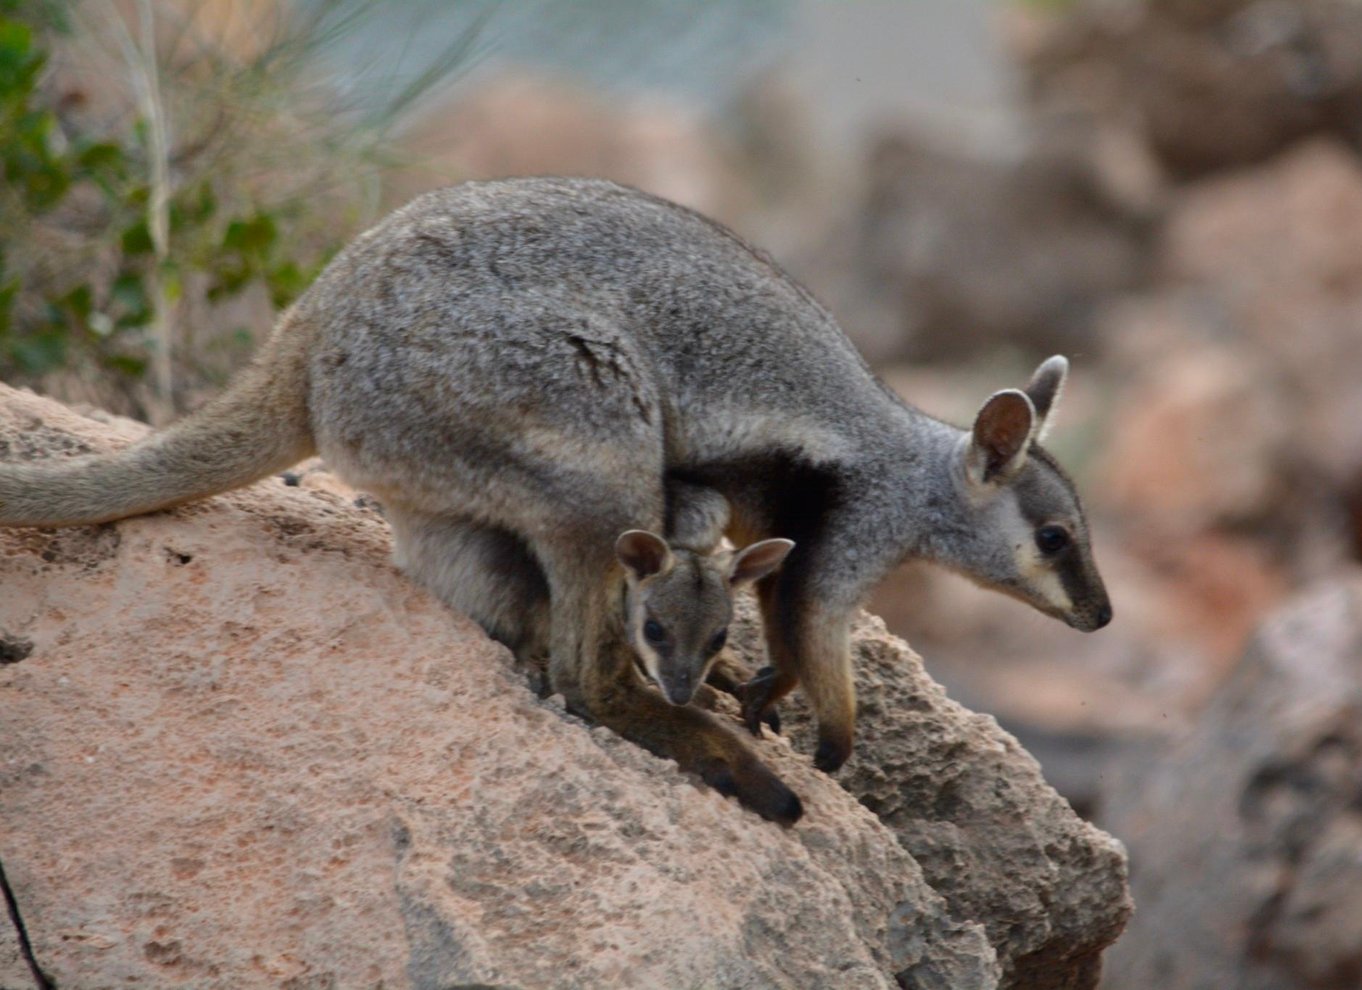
(1168, 191)
(1245, 836)
(1206, 85)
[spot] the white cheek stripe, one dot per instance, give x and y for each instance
(1034, 570)
(1044, 580)
(652, 663)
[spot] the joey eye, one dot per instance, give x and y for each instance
(653, 631)
(717, 643)
(1052, 539)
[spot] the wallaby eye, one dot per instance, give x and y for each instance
(717, 643)
(653, 631)
(1052, 539)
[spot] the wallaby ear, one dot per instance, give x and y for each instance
(643, 553)
(1002, 431)
(1044, 389)
(760, 559)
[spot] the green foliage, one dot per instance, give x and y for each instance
(39, 174)
(93, 306)
(158, 163)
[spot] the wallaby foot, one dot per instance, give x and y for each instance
(834, 749)
(759, 696)
(810, 644)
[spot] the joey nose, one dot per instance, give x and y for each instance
(1103, 615)
(680, 688)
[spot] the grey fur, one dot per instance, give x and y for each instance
(528, 364)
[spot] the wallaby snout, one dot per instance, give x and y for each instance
(1092, 616)
(679, 687)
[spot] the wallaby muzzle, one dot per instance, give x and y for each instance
(1092, 611)
(679, 688)
(1090, 619)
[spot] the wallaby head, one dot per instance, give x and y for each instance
(678, 604)
(1025, 533)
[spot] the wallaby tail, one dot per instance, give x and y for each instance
(258, 426)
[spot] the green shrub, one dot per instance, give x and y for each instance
(221, 174)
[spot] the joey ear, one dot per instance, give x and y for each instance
(1002, 431)
(1044, 389)
(760, 559)
(643, 553)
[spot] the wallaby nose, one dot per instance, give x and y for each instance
(1103, 615)
(680, 688)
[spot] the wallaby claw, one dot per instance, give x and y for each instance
(831, 754)
(756, 701)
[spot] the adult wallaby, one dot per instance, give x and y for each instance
(542, 358)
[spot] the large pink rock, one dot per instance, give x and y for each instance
(240, 750)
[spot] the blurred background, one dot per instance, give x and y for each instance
(1167, 191)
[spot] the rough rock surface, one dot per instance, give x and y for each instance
(960, 795)
(240, 750)
(1246, 838)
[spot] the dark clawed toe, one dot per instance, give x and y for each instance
(772, 720)
(830, 755)
(752, 719)
(756, 699)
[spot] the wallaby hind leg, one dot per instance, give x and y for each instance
(810, 645)
(585, 585)
(484, 572)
